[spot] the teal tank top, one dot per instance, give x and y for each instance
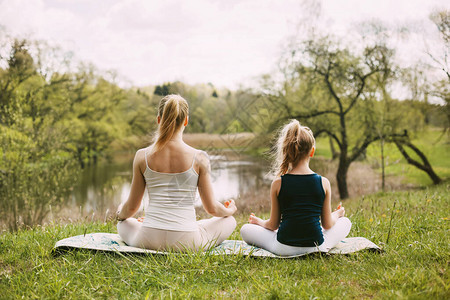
(301, 200)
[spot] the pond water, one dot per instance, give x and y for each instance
(104, 186)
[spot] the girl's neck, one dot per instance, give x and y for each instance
(302, 168)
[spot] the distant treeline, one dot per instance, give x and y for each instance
(82, 113)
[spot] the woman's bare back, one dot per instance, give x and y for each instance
(175, 157)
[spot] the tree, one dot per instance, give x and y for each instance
(163, 90)
(48, 120)
(441, 18)
(328, 85)
(34, 171)
(20, 67)
(441, 88)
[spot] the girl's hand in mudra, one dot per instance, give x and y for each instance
(339, 211)
(252, 219)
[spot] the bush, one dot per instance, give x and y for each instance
(31, 180)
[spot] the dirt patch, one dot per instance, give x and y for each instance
(5, 270)
(363, 180)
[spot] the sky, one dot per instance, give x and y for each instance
(228, 43)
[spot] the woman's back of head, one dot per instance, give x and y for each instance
(172, 112)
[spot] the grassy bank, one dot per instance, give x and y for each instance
(434, 145)
(431, 141)
(414, 264)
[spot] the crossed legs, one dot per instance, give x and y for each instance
(211, 232)
(267, 239)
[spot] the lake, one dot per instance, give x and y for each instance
(104, 186)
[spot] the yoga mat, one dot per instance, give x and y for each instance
(110, 242)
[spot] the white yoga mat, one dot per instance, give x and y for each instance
(113, 243)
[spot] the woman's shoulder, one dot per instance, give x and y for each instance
(199, 154)
(140, 159)
(141, 155)
(142, 152)
(202, 158)
(202, 154)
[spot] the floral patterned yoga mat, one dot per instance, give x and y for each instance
(113, 243)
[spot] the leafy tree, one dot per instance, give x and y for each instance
(163, 90)
(20, 67)
(34, 172)
(441, 88)
(330, 86)
(49, 120)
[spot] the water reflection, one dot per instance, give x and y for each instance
(105, 185)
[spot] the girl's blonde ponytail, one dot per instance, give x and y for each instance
(294, 143)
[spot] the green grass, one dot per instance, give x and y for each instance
(323, 148)
(414, 263)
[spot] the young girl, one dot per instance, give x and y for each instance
(171, 171)
(301, 201)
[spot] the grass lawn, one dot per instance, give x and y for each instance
(412, 227)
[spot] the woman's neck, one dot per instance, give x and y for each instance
(177, 136)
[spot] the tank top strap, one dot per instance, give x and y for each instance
(145, 155)
(193, 159)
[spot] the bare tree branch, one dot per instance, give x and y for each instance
(332, 91)
(361, 88)
(320, 131)
(357, 151)
(313, 114)
(426, 167)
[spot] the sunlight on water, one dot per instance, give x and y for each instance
(105, 185)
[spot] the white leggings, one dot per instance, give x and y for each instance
(210, 233)
(267, 239)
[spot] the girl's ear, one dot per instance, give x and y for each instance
(158, 119)
(311, 154)
(186, 121)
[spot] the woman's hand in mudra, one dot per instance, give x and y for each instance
(230, 205)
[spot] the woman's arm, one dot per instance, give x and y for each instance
(328, 218)
(206, 192)
(275, 214)
(133, 203)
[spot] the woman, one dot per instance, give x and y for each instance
(171, 171)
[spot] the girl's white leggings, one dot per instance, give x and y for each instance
(211, 232)
(267, 239)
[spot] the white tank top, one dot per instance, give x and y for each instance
(171, 199)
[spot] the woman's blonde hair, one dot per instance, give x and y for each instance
(294, 143)
(173, 110)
